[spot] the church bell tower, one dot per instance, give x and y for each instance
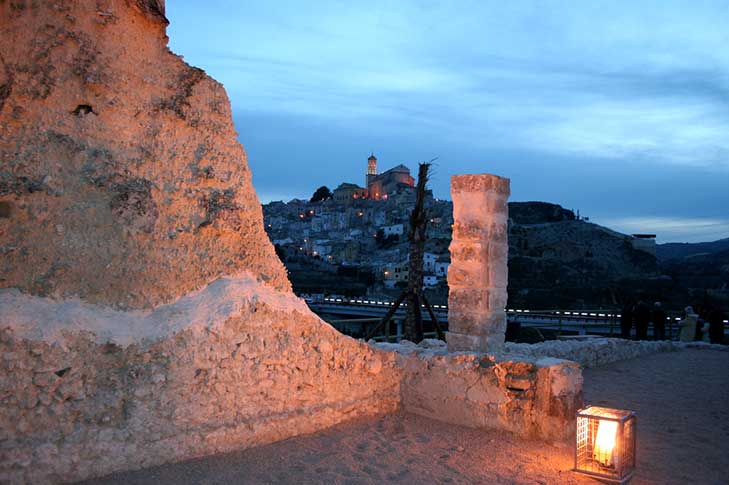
(371, 169)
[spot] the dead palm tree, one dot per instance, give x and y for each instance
(413, 296)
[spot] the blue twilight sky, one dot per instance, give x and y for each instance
(617, 108)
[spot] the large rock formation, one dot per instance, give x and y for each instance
(144, 316)
(121, 180)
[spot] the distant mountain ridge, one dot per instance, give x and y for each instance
(668, 251)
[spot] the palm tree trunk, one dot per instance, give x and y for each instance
(413, 325)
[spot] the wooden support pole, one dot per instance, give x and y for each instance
(387, 316)
(438, 330)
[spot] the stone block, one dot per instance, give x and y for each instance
(499, 280)
(469, 252)
(517, 383)
(479, 183)
(471, 206)
(497, 300)
(470, 230)
(467, 275)
(474, 300)
(491, 228)
(558, 397)
(458, 342)
(497, 232)
(472, 323)
(497, 254)
(497, 203)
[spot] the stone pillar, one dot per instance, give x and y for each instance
(478, 275)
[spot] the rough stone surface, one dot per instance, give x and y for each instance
(601, 351)
(144, 316)
(120, 170)
(530, 397)
(478, 273)
(83, 397)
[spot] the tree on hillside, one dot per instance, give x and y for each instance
(322, 193)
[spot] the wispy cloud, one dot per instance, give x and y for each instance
(670, 229)
(644, 84)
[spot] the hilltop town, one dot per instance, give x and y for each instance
(354, 240)
(361, 227)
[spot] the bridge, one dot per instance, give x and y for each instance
(355, 315)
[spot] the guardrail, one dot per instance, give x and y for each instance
(580, 314)
(602, 321)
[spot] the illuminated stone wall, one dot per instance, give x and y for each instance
(121, 174)
(478, 274)
(86, 390)
(532, 397)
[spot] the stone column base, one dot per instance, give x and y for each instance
(461, 342)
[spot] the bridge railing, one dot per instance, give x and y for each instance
(602, 321)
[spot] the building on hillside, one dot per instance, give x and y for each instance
(395, 229)
(346, 193)
(429, 260)
(430, 280)
(441, 267)
(644, 242)
(380, 186)
(397, 272)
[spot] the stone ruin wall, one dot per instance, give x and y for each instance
(531, 396)
(258, 369)
(144, 316)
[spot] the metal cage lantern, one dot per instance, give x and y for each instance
(605, 445)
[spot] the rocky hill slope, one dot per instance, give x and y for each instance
(668, 251)
(571, 263)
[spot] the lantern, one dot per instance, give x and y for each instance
(605, 444)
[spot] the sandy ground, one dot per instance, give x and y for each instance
(682, 403)
(681, 398)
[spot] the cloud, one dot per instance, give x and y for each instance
(677, 131)
(670, 229)
(643, 85)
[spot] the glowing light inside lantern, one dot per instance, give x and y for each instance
(604, 449)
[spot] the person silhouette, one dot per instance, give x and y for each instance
(626, 320)
(642, 316)
(716, 326)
